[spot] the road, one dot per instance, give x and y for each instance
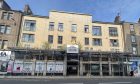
(73, 81)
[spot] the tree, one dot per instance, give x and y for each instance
(46, 45)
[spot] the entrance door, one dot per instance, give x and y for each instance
(72, 68)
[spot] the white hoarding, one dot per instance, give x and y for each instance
(5, 55)
(59, 67)
(72, 49)
(50, 67)
(55, 67)
(18, 66)
(40, 67)
(27, 67)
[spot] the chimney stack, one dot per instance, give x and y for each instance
(27, 10)
(117, 19)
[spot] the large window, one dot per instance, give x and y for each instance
(86, 28)
(60, 27)
(113, 31)
(5, 29)
(28, 37)
(133, 38)
(7, 16)
(51, 26)
(50, 39)
(114, 43)
(132, 28)
(97, 42)
(96, 31)
(74, 27)
(60, 39)
(86, 41)
(29, 25)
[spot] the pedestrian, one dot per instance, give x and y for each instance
(131, 73)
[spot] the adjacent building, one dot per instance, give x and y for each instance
(10, 21)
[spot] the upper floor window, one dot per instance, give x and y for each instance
(74, 27)
(86, 28)
(51, 26)
(133, 38)
(96, 31)
(28, 37)
(97, 42)
(86, 41)
(3, 44)
(114, 43)
(7, 16)
(29, 25)
(60, 27)
(60, 39)
(5, 29)
(113, 31)
(73, 39)
(132, 27)
(50, 39)
(134, 50)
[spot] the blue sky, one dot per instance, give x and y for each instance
(101, 10)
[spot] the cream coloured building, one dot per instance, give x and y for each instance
(66, 28)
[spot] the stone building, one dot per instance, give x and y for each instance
(10, 22)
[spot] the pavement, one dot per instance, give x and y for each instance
(74, 80)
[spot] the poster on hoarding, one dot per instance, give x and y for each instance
(50, 67)
(18, 66)
(55, 67)
(3, 66)
(27, 67)
(40, 67)
(10, 66)
(5, 55)
(59, 67)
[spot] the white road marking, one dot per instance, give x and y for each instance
(117, 83)
(72, 83)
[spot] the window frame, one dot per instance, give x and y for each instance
(50, 39)
(51, 26)
(99, 42)
(113, 31)
(28, 27)
(74, 28)
(99, 33)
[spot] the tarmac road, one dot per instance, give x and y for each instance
(72, 81)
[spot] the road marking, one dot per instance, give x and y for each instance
(117, 83)
(72, 83)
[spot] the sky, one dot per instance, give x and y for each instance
(101, 10)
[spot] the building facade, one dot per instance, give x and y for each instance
(38, 44)
(10, 21)
(63, 28)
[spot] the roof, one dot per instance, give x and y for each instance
(39, 16)
(71, 13)
(12, 10)
(105, 22)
